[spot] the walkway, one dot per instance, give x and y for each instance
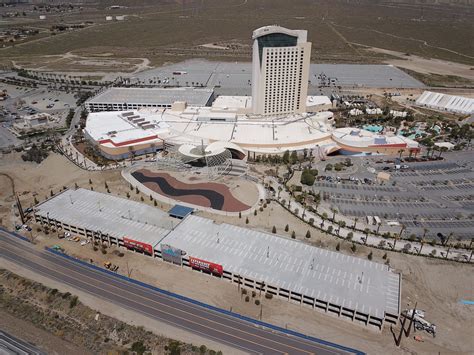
(358, 236)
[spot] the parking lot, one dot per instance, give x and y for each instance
(234, 78)
(22, 102)
(432, 195)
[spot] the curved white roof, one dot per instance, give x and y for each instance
(361, 138)
(197, 152)
(444, 102)
(266, 30)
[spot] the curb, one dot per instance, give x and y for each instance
(207, 306)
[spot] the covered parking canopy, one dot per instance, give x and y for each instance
(180, 211)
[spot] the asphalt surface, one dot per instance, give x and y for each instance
(436, 195)
(199, 320)
(14, 346)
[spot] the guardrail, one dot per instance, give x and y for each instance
(15, 234)
(207, 306)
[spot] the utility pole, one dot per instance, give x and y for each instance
(129, 271)
(407, 333)
(20, 209)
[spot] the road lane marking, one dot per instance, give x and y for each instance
(97, 274)
(162, 304)
(121, 304)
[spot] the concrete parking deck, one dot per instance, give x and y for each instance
(118, 217)
(358, 289)
(345, 285)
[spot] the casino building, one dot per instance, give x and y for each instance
(280, 70)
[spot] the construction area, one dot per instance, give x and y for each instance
(352, 288)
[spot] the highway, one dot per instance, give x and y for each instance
(14, 346)
(219, 327)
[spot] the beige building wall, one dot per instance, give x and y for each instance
(280, 73)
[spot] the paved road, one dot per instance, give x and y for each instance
(219, 327)
(14, 346)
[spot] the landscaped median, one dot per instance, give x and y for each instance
(330, 226)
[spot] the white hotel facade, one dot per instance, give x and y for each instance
(280, 70)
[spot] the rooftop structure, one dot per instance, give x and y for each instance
(107, 214)
(36, 122)
(118, 99)
(291, 268)
(444, 102)
(243, 104)
(116, 135)
(355, 141)
(280, 70)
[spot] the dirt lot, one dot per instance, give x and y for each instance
(436, 285)
(339, 31)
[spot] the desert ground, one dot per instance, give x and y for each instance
(437, 286)
(154, 33)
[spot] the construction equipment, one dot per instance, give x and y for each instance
(420, 322)
(107, 264)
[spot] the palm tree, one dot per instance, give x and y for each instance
(334, 211)
(279, 191)
(316, 206)
(447, 251)
(398, 236)
(422, 242)
(305, 196)
(378, 227)
(341, 224)
(449, 237)
(442, 150)
(350, 235)
(355, 223)
(366, 231)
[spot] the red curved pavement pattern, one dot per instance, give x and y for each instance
(209, 194)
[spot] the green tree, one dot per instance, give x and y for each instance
(274, 230)
(287, 228)
(293, 157)
(308, 234)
